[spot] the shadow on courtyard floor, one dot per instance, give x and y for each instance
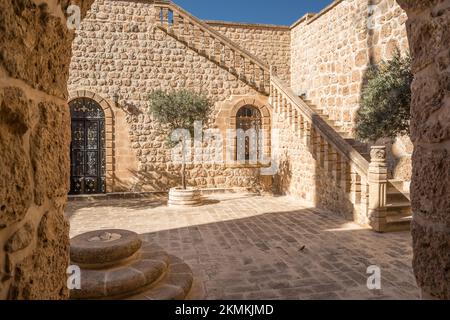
(265, 247)
(302, 254)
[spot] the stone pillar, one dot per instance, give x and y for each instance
(378, 188)
(35, 55)
(428, 30)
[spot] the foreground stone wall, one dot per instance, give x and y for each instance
(429, 36)
(271, 44)
(119, 50)
(35, 51)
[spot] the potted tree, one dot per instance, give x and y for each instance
(175, 110)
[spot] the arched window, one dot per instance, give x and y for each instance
(249, 128)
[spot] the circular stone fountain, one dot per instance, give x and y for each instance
(179, 197)
(117, 264)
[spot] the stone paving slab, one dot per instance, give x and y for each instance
(242, 246)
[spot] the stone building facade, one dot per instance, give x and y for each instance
(119, 51)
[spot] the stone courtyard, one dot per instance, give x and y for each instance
(244, 246)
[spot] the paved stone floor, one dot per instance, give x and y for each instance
(250, 247)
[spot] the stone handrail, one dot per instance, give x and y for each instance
(208, 42)
(358, 162)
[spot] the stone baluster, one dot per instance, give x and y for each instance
(289, 112)
(338, 170)
(271, 91)
(165, 17)
(266, 77)
(377, 179)
(170, 18)
(364, 210)
(227, 56)
(301, 124)
(295, 120)
(196, 37)
(273, 100)
(253, 73)
(322, 149)
(345, 174)
(176, 23)
(192, 36)
(284, 108)
(355, 193)
(180, 27)
(242, 67)
(280, 109)
(203, 42)
(185, 33)
(158, 15)
(307, 127)
(330, 165)
(233, 61)
(261, 84)
(222, 53)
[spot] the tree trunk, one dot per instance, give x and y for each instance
(183, 175)
(183, 167)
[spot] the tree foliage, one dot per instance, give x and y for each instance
(386, 100)
(179, 109)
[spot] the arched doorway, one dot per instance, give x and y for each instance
(87, 151)
(249, 120)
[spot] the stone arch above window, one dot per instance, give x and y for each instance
(249, 119)
(109, 131)
(227, 119)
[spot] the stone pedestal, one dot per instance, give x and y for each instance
(116, 264)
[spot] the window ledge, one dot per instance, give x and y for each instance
(238, 165)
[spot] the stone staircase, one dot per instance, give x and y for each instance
(201, 38)
(398, 206)
(311, 122)
(398, 202)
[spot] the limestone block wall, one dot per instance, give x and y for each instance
(330, 55)
(429, 36)
(332, 50)
(119, 50)
(35, 51)
(271, 44)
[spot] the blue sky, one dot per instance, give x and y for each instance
(280, 12)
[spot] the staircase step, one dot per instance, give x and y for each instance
(398, 185)
(399, 223)
(399, 208)
(399, 204)
(396, 196)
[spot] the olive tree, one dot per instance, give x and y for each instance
(386, 100)
(179, 109)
